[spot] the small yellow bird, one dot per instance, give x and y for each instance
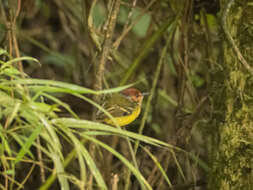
(125, 107)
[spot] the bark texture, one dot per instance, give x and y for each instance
(232, 155)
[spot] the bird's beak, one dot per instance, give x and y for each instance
(145, 93)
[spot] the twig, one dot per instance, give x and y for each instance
(107, 44)
(42, 170)
(29, 161)
(183, 63)
(13, 181)
(229, 37)
(14, 39)
(3, 161)
(27, 177)
(93, 34)
(129, 15)
(125, 32)
(115, 181)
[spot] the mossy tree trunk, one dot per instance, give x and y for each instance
(232, 155)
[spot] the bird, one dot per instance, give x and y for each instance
(124, 107)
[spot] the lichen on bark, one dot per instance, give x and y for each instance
(232, 155)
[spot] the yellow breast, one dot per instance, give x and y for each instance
(125, 120)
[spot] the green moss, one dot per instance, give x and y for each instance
(232, 155)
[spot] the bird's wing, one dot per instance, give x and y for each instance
(117, 106)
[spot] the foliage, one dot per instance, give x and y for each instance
(47, 107)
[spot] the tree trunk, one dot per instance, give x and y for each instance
(232, 153)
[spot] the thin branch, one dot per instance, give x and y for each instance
(107, 45)
(14, 39)
(127, 30)
(115, 181)
(27, 177)
(42, 170)
(3, 160)
(130, 14)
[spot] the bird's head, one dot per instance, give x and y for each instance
(133, 94)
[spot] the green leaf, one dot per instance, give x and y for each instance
(83, 153)
(3, 52)
(99, 14)
(25, 148)
(140, 29)
(10, 71)
(20, 59)
(136, 172)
